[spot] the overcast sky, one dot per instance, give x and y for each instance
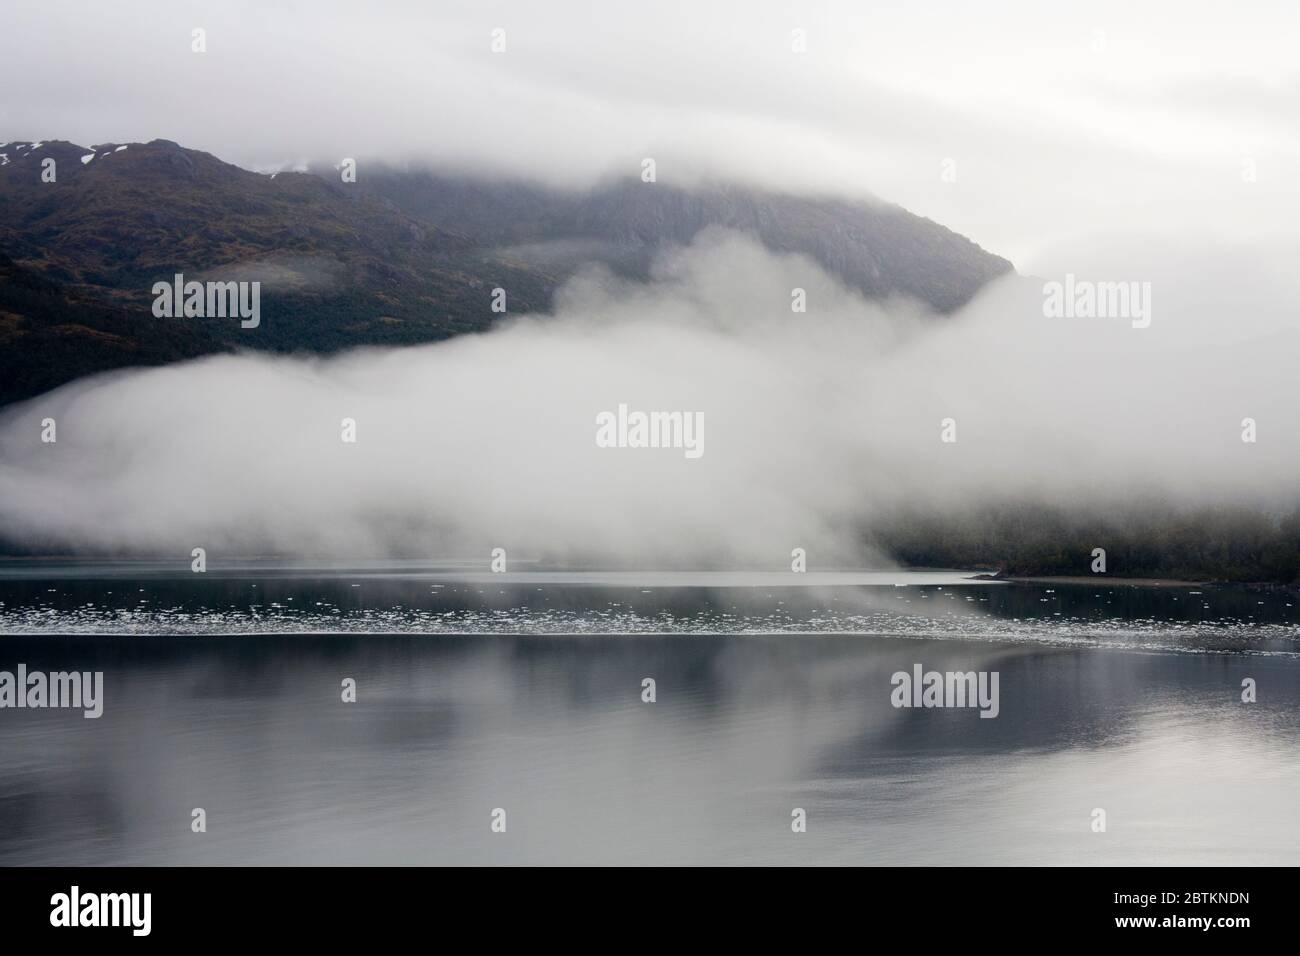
(1065, 123)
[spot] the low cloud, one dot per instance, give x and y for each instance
(1053, 122)
(818, 425)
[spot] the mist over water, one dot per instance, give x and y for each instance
(817, 425)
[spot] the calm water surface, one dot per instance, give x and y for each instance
(523, 692)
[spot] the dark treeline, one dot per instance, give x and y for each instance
(1220, 543)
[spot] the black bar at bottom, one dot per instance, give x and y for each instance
(215, 904)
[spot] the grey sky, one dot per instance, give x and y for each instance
(1068, 123)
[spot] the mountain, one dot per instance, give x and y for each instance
(401, 257)
(338, 268)
(51, 333)
(880, 249)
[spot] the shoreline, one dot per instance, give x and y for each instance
(463, 568)
(1132, 582)
(1112, 580)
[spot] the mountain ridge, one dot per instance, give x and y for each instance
(403, 256)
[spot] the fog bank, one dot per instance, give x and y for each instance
(815, 425)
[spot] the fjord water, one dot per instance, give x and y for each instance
(524, 692)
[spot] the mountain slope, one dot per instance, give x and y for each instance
(402, 257)
(51, 334)
(338, 268)
(880, 249)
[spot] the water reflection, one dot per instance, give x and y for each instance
(553, 729)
